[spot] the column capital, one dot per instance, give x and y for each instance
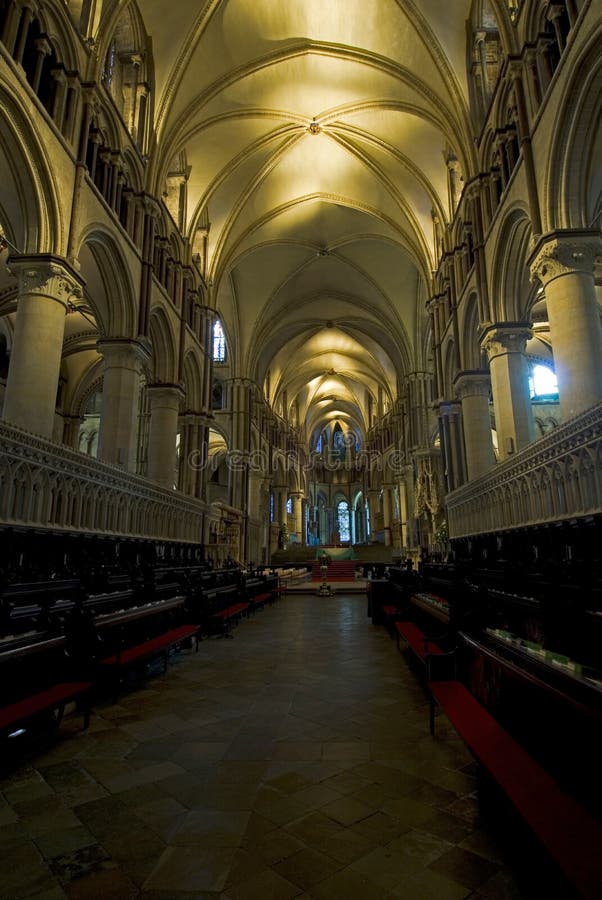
(504, 338)
(166, 394)
(150, 206)
(46, 276)
(564, 253)
(514, 67)
(435, 302)
(124, 353)
(472, 384)
(191, 417)
(240, 382)
(449, 407)
(43, 45)
(209, 312)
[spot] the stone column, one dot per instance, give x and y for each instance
(298, 513)
(80, 173)
(403, 512)
(187, 448)
(505, 346)
(165, 402)
(43, 49)
(148, 218)
(200, 459)
(373, 507)
(472, 389)
(387, 514)
(524, 136)
(281, 498)
(71, 427)
(11, 26)
(193, 459)
(564, 263)
(207, 317)
(450, 419)
(26, 18)
(123, 361)
(305, 511)
(432, 307)
(46, 285)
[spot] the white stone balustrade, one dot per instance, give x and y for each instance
(45, 484)
(555, 478)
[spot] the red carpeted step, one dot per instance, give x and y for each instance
(338, 570)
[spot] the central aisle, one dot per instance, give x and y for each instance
(292, 761)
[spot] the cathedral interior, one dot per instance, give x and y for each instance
(290, 280)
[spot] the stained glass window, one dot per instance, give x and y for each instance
(219, 343)
(343, 517)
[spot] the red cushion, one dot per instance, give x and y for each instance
(163, 641)
(48, 699)
(230, 611)
(415, 638)
(570, 834)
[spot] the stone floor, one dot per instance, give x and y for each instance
(292, 761)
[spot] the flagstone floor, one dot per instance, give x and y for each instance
(291, 762)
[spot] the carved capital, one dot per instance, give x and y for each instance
(43, 46)
(121, 353)
(46, 276)
(512, 337)
(435, 303)
(449, 408)
(565, 253)
(161, 394)
(515, 68)
(472, 384)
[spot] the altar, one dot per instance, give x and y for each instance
(336, 552)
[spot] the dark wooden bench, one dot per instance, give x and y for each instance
(419, 643)
(153, 648)
(567, 831)
(389, 614)
(223, 620)
(260, 600)
(53, 699)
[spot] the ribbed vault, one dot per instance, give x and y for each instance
(318, 139)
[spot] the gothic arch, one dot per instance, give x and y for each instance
(573, 188)
(164, 354)
(449, 367)
(469, 326)
(89, 384)
(193, 378)
(126, 68)
(109, 287)
(29, 201)
(56, 26)
(511, 287)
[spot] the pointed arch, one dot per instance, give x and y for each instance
(164, 348)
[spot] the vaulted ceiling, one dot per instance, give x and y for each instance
(317, 136)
